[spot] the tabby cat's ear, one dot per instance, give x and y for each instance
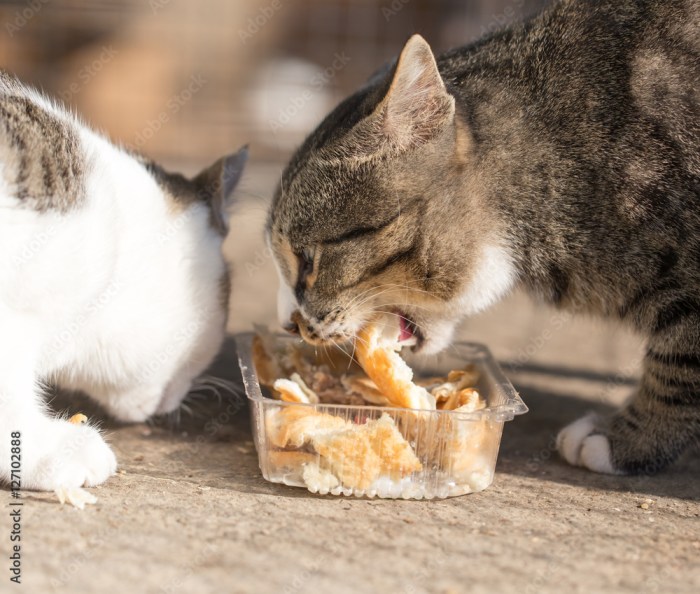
(217, 183)
(417, 105)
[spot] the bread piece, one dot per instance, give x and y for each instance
(366, 388)
(430, 382)
(464, 377)
(291, 459)
(361, 454)
(467, 442)
(376, 351)
(349, 456)
(294, 426)
(466, 400)
(319, 480)
(457, 379)
(397, 455)
(295, 390)
(467, 448)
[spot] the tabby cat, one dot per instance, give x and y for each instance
(561, 155)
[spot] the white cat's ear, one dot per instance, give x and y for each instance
(217, 183)
(417, 105)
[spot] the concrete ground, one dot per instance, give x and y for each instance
(189, 512)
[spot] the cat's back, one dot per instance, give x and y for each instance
(42, 164)
(601, 82)
(665, 79)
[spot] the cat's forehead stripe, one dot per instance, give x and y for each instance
(359, 232)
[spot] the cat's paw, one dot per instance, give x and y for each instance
(69, 456)
(583, 444)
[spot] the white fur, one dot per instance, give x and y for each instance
(286, 301)
(118, 298)
(494, 276)
(580, 445)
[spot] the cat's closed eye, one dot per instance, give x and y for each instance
(307, 272)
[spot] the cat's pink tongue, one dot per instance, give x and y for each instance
(405, 332)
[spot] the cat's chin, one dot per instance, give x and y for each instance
(435, 337)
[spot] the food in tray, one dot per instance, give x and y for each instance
(377, 351)
(373, 373)
(365, 448)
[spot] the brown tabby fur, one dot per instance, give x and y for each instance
(572, 142)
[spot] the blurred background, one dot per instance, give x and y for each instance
(186, 81)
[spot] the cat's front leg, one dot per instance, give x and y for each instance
(45, 453)
(54, 453)
(655, 427)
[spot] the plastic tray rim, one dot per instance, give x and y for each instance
(505, 411)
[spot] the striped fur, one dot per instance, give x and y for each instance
(568, 163)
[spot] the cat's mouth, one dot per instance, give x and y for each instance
(409, 332)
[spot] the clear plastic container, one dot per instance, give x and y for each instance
(456, 452)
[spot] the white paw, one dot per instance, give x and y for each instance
(580, 445)
(69, 456)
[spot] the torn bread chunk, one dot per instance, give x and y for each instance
(350, 457)
(291, 458)
(397, 455)
(361, 454)
(366, 389)
(465, 447)
(457, 379)
(319, 480)
(465, 400)
(295, 390)
(376, 350)
(295, 426)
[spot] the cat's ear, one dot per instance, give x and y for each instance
(417, 105)
(217, 183)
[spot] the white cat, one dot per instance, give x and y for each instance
(112, 282)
